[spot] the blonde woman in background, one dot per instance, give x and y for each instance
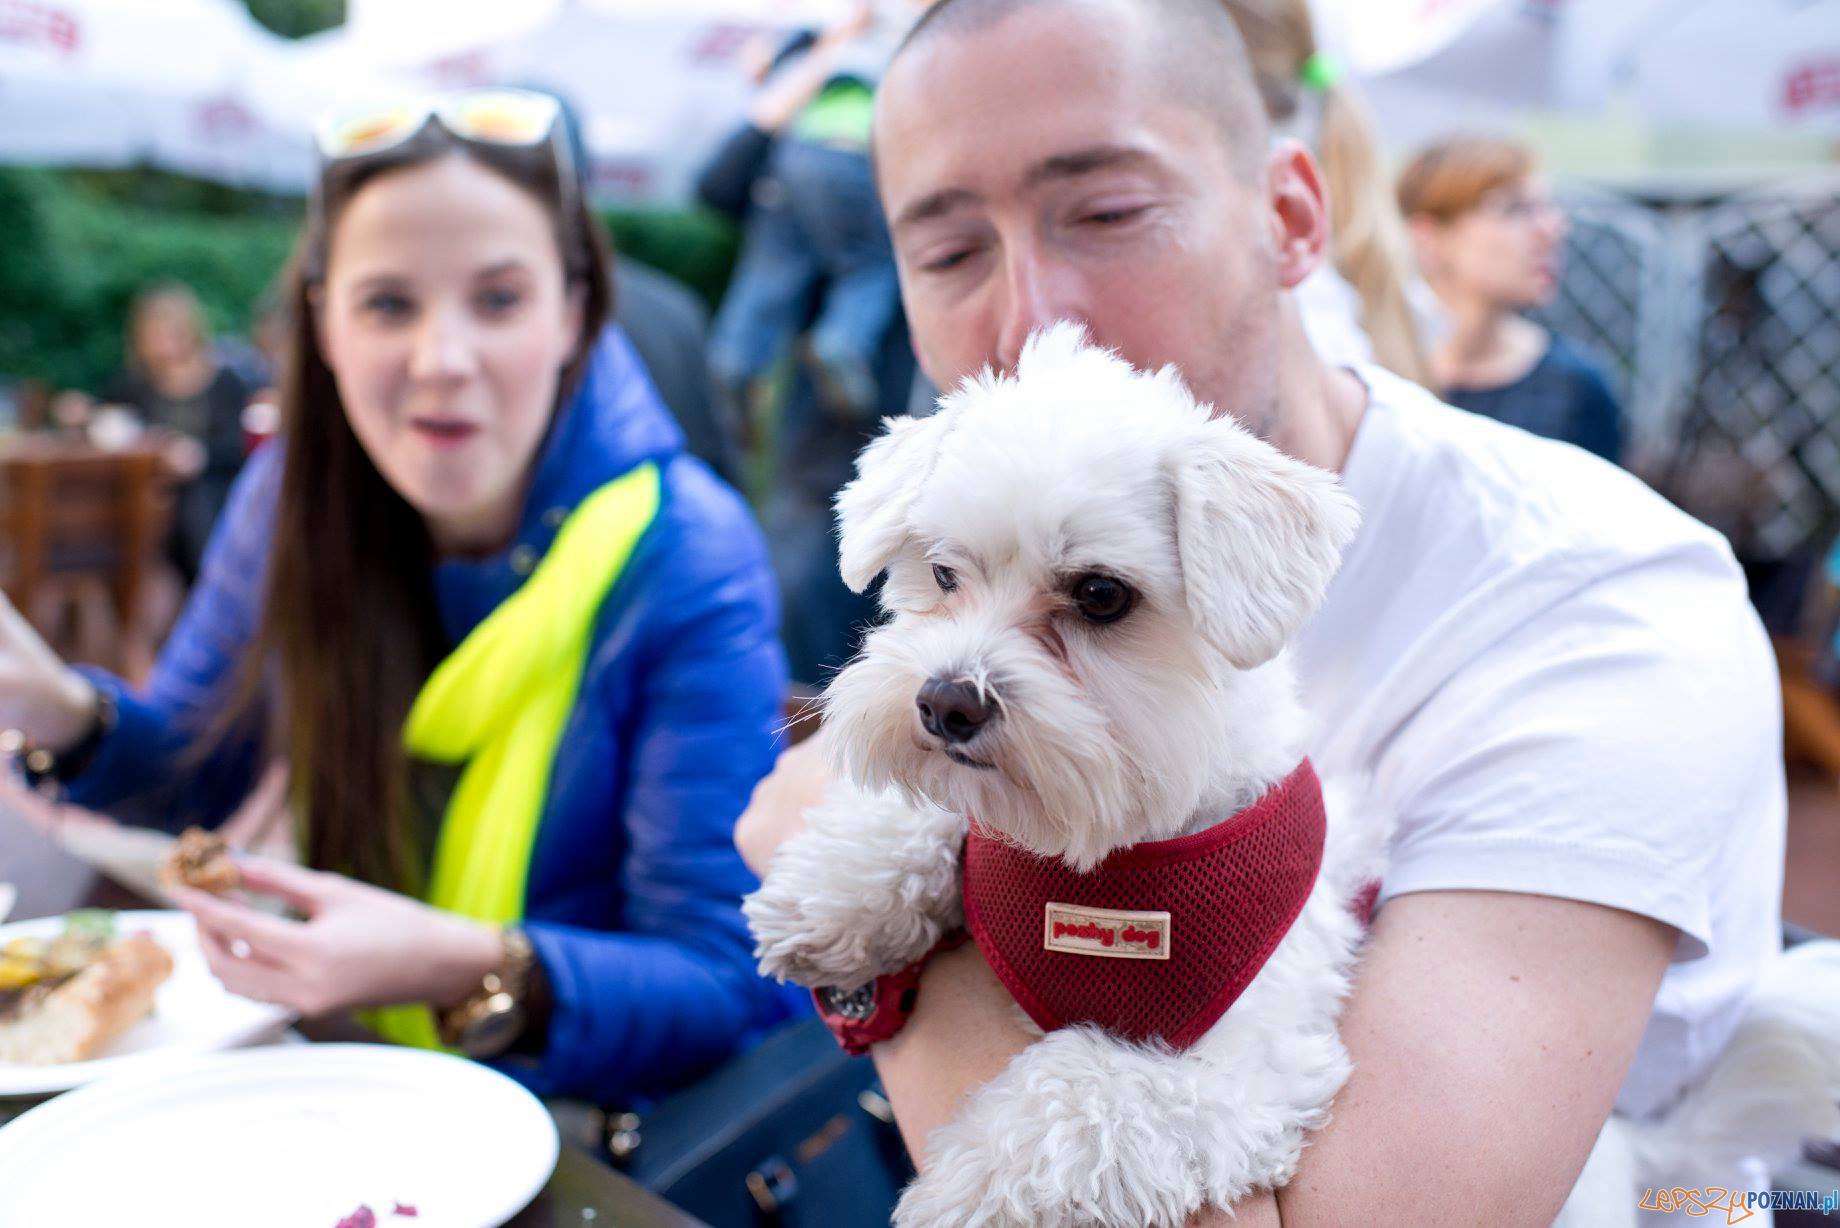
(1362, 306)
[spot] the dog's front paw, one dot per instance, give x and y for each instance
(845, 901)
(1081, 1131)
(803, 937)
(787, 945)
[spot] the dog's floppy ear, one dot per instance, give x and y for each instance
(872, 510)
(1259, 536)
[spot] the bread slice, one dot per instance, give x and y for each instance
(76, 1020)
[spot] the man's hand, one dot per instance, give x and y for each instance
(776, 812)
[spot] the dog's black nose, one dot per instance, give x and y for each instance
(953, 710)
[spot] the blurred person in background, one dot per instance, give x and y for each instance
(788, 72)
(516, 648)
(1488, 238)
(1367, 302)
(176, 379)
(815, 228)
(808, 430)
(668, 326)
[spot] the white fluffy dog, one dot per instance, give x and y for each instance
(1091, 581)
(1112, 574)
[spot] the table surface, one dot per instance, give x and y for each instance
(582, 1191)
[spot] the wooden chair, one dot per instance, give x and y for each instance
(1811, 711)
(80, 532)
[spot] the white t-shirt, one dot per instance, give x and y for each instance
(1331, 312)
(1558, 687)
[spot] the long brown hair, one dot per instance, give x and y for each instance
(1368, 241)
(349, 614)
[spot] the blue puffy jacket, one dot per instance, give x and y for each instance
(634, 890)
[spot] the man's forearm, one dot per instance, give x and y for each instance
(1476, 1016)
(1489, 1033)
(964, 1031)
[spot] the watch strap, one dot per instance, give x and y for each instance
(869, 1014)
(48, 772)
(509, 983)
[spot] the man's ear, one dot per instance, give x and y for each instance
(1259, 535)
(1299, 211)
(872, 510)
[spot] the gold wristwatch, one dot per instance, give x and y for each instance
(491, 1019)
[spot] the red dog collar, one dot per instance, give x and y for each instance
(1159, 939)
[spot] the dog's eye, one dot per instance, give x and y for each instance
(1102, 599)
(945, 578)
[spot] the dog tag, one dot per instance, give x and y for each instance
(1075, 929)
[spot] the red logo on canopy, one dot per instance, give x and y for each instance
(722, 42)
(1812, 86)
(22, 21)
(225, 117)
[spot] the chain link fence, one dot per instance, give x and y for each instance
(1719, 320)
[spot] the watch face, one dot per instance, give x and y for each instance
(494, 1029)
(853, 1004)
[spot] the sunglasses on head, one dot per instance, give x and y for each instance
(501, 118)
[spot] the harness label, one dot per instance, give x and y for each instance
(1074, 929)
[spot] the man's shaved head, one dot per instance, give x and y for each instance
(1105, 161)
(1193, 47)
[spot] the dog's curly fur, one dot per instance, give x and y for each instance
(1166, 721)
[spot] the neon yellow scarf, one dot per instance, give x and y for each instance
(499, 703)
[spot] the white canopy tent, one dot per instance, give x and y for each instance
(196, 86)
(656, 84)
(1719, 65)
(188, 85)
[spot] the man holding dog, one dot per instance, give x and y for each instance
(1552, 679)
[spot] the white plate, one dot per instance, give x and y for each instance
(289, 1136)
(7, 895)
(192, 1013)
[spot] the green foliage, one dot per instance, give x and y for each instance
(147, 187)
(696, 246)
(80, 245)
(74, 261)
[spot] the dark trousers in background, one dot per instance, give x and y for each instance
(816, 229)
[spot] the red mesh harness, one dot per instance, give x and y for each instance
(1159, 939)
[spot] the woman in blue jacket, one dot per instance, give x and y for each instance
(517, 649)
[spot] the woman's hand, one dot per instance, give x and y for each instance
(358, 946)
(40, 695)
(776, 812)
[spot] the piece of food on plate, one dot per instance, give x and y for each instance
(65, 999)
(364, 1217)
(200, 860)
